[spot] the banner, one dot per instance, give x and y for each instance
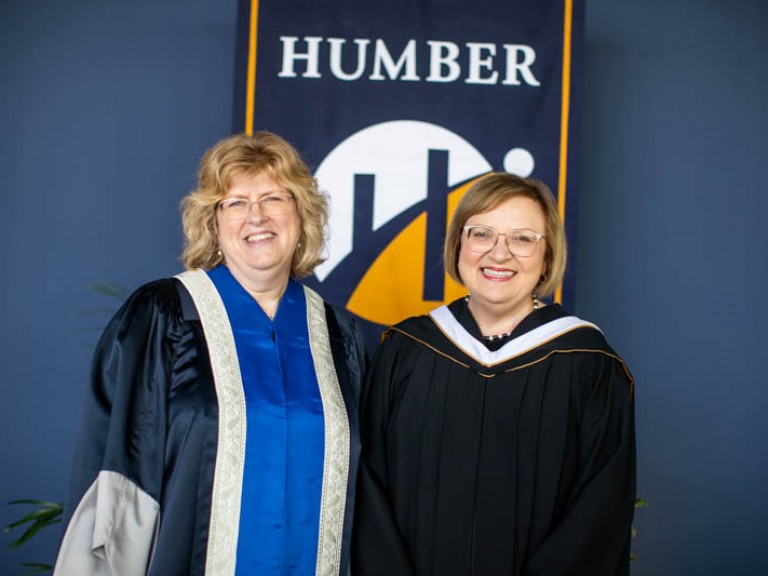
(398, 106)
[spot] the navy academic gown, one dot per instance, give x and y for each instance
(157, 482)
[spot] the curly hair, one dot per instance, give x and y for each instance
(252, 155)
(492, 190)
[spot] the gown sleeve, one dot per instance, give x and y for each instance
(348, 348)
(593, 536)
(378, 548)
(112, 511)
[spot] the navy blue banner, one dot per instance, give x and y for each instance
(398, 106)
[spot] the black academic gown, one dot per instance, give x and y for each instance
(143, 496)
(514, 462)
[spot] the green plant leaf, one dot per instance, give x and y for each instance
(30, 532)
(42, 503)
(35, 568)
(47, 514)
(112, 289)
(44, 516)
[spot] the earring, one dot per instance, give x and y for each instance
(535, 301)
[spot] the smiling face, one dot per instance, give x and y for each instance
(258, 249)
(498, 280)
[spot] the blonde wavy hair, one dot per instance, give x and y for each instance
(491, 191)
(252, 155)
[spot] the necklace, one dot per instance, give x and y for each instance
(495, 337)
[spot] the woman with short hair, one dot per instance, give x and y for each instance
(498, 432)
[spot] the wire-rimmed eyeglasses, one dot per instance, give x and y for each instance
(271, 204)
(482, 239)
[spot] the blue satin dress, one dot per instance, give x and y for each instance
(284, 453)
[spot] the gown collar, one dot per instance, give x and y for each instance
(534, 331)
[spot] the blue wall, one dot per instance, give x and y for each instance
(673, 264)
(106, 107)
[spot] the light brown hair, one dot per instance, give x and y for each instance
(252, 155)
(491, 191)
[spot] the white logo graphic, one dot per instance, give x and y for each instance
(396, 155)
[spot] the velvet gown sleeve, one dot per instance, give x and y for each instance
(348, 348)
(378, 548)
(593, 536)
(112, 514)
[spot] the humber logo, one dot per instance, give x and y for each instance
(393, 187)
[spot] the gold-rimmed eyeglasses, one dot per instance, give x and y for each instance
(270, 205)
(482, 239)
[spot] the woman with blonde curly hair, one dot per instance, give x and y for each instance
(497, 431)
(220, 431)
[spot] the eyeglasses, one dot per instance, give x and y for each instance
(270, 205)
(482, 239)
